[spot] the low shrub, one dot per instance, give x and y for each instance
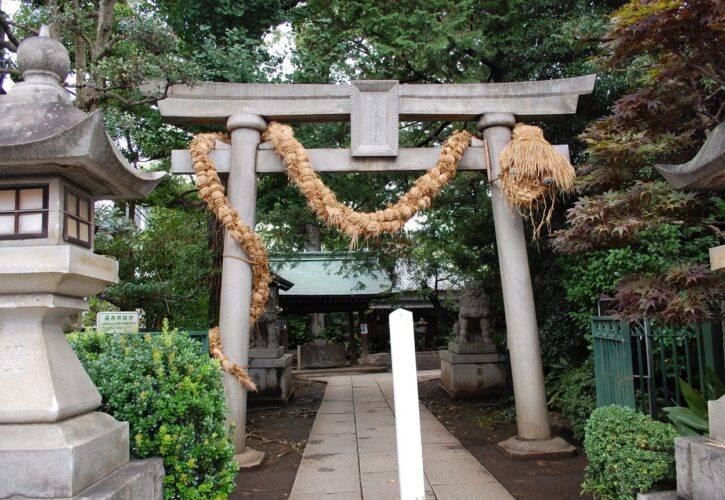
(628, 453)
(574, 393)
(172, 396)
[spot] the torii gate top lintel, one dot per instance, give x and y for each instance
(213, 103)
(374, 108)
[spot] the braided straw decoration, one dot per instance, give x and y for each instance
(320, 198)
(356, 224)
(216, 350)
(212, 191)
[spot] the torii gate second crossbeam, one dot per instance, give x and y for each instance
(375, 109)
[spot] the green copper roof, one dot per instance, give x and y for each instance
(331, 274)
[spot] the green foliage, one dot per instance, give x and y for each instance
(172, 396)
(693, 420)
(616, 218)
(573, 391)
(632, 226)
(653, 251)
(627, 453)
(166, 268)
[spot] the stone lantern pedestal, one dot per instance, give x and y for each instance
(52, 442)
(269, 366)
(471, 370)
(55, 161)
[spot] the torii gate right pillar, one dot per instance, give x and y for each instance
(534, 438)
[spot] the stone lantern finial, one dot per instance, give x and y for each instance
(44, 63)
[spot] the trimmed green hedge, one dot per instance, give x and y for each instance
(576, 396)
(173, 399)
(628, 453)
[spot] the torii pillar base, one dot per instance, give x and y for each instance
(517, 448)
(249, 459)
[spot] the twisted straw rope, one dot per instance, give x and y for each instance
(322, 201)
(212, 191)
(357, 224)
(216, 350)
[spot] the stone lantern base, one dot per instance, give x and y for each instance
(701, 461)
(271, 370)
(63, 458)
(52, 442)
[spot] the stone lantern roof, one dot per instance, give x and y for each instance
(706, 171)
(41, 132)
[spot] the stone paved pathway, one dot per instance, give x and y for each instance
(351, 455)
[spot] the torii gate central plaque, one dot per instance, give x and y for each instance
(375, 109)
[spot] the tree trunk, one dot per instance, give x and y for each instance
(215, 236)
(84, 96)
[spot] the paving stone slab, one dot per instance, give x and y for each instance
(376, 405)
(349, 495)
(330, 459)
(493, 491)
(378, 461)
(338, 407)
(375, 433)
(437, 437)
(376, 444)
(459, 471)
(331, 443)
(339, 382)
(380, 485)
(335, 418)
(351, 452)
(323, 480)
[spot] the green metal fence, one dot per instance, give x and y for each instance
(639, 364)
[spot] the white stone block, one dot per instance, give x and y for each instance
(63, 458)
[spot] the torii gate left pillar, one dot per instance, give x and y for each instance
(236, 290)
(375, 109)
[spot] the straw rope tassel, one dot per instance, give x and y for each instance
(532, 172)
(216, 350)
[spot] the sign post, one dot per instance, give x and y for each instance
(407, 413)
(117, 322)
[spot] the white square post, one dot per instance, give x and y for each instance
(407, 414)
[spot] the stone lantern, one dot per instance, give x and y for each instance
(55, 161)
(701, 461)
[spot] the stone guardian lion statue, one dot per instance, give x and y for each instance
(472, 325)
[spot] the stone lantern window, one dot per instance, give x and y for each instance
(23, 212)
(77, 218)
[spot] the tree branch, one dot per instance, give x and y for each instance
(109, 47)
(6, 24)
(76, 30)
(6, 29)
(129, 102)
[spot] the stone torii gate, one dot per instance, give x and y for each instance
(375, 109)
